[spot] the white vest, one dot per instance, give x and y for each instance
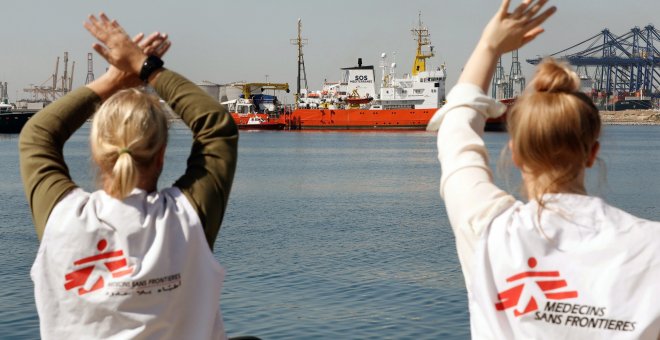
(585, 271)
(139, 268)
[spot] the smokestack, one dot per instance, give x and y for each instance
(359, 62)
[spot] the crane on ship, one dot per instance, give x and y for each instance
(247, 88)
(249, 102)
(627, 63)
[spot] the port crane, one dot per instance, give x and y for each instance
(507, 86)
(47, 93)
(628, 63)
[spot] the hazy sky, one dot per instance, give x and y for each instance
(226, 41)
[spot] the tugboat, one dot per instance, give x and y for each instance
(259, 123)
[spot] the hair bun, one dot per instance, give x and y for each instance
(553, 76)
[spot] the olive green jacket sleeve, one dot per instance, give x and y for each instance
(212, 161)
(45, 175)
(211, 164)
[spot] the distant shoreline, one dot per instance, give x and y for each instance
(631, 117)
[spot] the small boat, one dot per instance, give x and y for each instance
(259, 123)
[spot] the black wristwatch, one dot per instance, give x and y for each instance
(151, 64)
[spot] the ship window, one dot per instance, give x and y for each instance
(419, 91)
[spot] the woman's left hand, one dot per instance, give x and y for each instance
(508, 31)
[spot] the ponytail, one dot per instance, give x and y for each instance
(125, 175)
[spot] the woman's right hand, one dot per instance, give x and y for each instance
(506, 31)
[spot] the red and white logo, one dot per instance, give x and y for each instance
(533, 285)
(110, 262)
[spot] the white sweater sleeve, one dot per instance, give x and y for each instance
(471, 198)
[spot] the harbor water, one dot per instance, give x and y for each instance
(327, 234)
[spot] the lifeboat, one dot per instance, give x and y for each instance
(358, 100)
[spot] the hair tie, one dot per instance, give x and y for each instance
(123, 151)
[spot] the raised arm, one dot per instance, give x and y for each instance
(212, 161)
(471, 198)
(45, 175)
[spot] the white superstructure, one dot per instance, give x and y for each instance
(421, 89)
(424, 90)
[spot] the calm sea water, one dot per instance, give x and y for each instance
(327, 234)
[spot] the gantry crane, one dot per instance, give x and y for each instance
(43, 92)
(625, 63)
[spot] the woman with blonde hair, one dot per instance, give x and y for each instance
(129, 261)
(564, 265)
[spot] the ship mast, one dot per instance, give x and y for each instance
(423, 37)
(302, 76)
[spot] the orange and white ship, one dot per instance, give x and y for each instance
(355, 103)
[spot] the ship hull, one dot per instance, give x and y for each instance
(263, 126)
(13, 122)
(633, 104)
(394, 119)
(496, 124)
(343, 119)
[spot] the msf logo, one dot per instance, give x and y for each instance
(112, 262)
(530, 286)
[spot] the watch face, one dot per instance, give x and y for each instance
(151, 64)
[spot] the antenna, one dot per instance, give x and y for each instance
(302, 76)
(57, 67)
(65, 76)
(423, 37)
(90, 69)
(73, 66)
